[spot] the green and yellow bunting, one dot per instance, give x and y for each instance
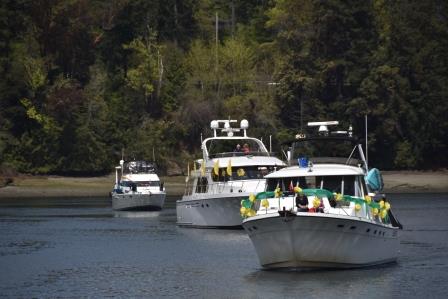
(377, 208)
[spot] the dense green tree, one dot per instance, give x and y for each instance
(81, 81)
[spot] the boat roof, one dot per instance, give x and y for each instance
(316, 170)
(247, 160)
(326, 146)
(138, 166)
(224, 145)
(141, 177)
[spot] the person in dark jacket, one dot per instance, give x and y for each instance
(301, 202)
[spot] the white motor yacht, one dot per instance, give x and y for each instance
(137, 187)
(232, 167)
(322, 210)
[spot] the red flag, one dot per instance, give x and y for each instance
(291, 187)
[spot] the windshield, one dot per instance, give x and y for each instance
(233, 147)
(347, 184)
(140, 184)
(244, 173)
(138, 167)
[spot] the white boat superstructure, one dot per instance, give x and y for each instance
(321, 213)
(137, 187)
(232, 167)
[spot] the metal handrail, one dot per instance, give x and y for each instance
(222, 187)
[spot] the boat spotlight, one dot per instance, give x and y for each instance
(214, 125)
(244, 124)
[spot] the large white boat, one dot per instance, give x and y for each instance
(321, 211)
(137, 187)
(232, 167)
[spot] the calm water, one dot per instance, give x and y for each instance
(81, 248)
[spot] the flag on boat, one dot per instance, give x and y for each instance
(188, 173)
(203, 168)
(216, 167)
(229, 168)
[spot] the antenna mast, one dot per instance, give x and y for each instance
(367, 149)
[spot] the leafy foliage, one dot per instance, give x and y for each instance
(83, 81)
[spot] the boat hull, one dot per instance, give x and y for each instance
(138, 201)
(315, 240)
(216, 212)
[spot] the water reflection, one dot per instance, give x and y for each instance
(61, 249)
(136, 214)
(359, 283)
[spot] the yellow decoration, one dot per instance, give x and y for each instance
(381, 204)
(383, 213)
(203, 168)
(338, 197)
(297, 190)
(242, 211)
(252, 197)
(265, 203)
(240, 172)
(251, 213)
(387, 206)
(316, 202)
(229, 168)
(375, 211)
(368, 199)
(277, 192)
(216, 167)
(357, 207)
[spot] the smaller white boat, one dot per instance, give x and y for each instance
(137, 187)
(321, 212)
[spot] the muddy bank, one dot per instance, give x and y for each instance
(415, 181)
(56, 186)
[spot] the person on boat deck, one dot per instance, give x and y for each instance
(246, 149)
(237, 148)
(320, 208)
(332, 202)
(301, 202)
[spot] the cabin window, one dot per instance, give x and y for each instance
(201, 185)
(284, 183)
(228, 148)
(148, 184)
(243, 173)
(331, 183)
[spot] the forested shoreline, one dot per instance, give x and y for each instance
(84, 80)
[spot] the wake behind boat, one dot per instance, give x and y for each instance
(232, 167)
(322, 212)
(137, 187)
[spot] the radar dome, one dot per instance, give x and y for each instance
(244, 124)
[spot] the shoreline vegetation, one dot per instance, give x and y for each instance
(28, 186)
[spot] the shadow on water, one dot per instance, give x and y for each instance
(323, 283)
(82, 248)
(137, 214)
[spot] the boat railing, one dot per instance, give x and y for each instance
(214, 188)
(287, 202)
(240, 154)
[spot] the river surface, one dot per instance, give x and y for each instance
(73, 248)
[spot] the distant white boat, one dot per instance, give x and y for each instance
(319, 211)
(137, 187)
(224, 176)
